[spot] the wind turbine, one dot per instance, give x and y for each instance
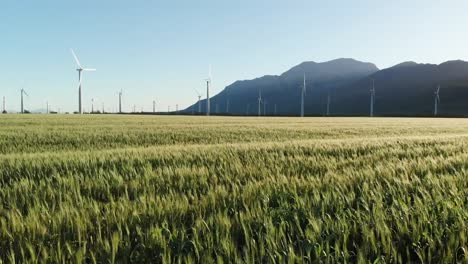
(208, 84)
(372, 98)
(154, 106)
(303, 93)
(120, 101)
(4, 105)
(436, 100)
(275, 110)
(80, 72)
(259, 102)
(328, 102)
(23, 92)
(199, 100)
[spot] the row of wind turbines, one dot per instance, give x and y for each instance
(371, 104)
(261, 101)
(303, 88)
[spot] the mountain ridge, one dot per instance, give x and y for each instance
(404, 89)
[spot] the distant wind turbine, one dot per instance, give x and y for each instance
(4, 105)
(436, 100)
(303, 93)
(23, 92)
(372, 98)
(120, 101)
(208, 84)
(80, 70)
(328, 102)
(199, 100)
(154, 106)
(259, 102)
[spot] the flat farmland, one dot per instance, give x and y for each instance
(165, 189)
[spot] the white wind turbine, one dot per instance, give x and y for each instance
(208, 84)
(23, 92)
(199, 100)
(372, 98)
(120, 101)
(259, 102)
(303, 94)
(436, 100)
(80, 70)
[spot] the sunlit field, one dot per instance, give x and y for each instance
(165, 189)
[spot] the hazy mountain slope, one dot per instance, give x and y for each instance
(407, 89)
(284, 90)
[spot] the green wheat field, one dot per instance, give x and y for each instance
(172, 189)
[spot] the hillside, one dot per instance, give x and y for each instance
(406, 89)
(284, 90)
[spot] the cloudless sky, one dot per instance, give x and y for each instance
(160, 50)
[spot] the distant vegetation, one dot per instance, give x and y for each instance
(100, 189)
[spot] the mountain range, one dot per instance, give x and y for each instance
(406, 89)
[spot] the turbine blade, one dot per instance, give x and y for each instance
(76, 58)
(89, 69)
(25, 93)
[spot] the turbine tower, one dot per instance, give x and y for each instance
(199, 100)
(120, 102)
(4, 105)
(303, 93)
(372, 98)
(259, 102)
(328, 102)
(208, 84)
(154, 106)
(23, 92)
(436, 100)
(80, 72)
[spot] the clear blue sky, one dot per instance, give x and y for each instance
(161, 49)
